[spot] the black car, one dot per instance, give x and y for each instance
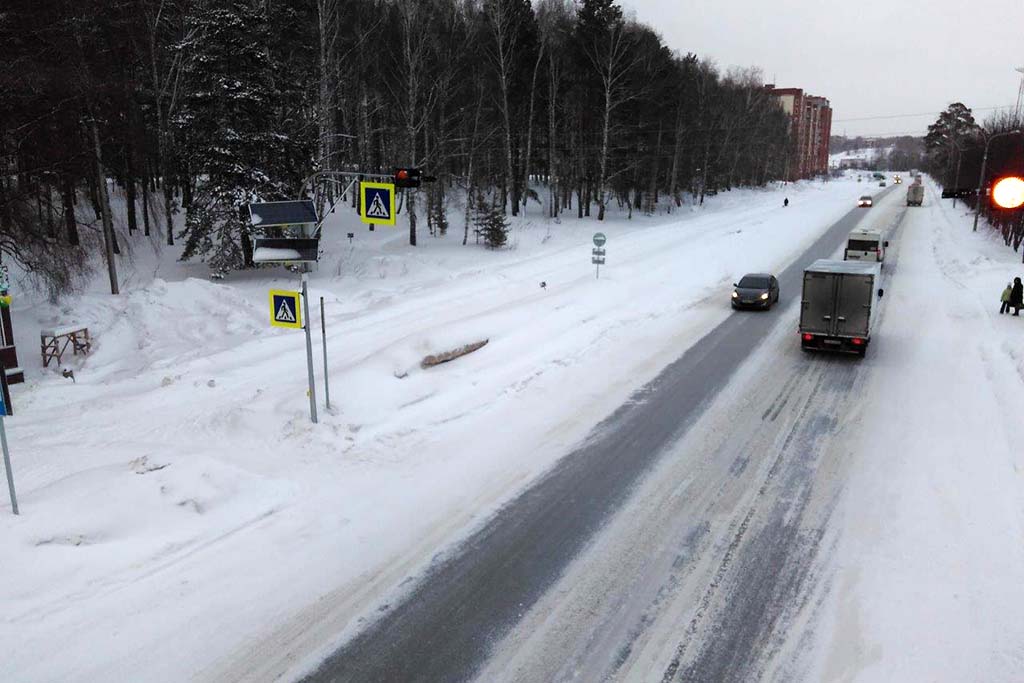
(756, 290)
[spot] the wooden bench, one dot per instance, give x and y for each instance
(55, 342)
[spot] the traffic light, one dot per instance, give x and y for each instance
(407, 177)
(1008, 193)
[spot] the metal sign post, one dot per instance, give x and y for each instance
(309, 349)
(597, 254)
(323, 334)
(7, 456)
(597, 258)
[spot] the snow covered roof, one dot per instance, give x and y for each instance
(846, 267)
(285, 249)
(269, 214)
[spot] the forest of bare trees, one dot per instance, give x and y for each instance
(189, 109)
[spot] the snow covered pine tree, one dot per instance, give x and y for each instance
(230, 137)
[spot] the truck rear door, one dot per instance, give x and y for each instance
(853, 305)
(818, 305)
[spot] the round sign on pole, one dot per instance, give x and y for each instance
(599, 239)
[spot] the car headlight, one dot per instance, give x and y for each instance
(735, 295)
(764, 297)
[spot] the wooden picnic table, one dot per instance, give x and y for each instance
(55, 341)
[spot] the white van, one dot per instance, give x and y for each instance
(865, 245)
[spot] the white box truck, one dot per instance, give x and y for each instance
(865, 244)
(838, 305)
(915, 194)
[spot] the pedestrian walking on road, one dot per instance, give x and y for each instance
(785, 202)
(1005, 299)
(1017, 296)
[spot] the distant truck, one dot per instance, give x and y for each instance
(865, 244)
(837, 307)
(915, 193)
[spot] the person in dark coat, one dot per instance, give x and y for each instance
(1017, 296)
(785, 202)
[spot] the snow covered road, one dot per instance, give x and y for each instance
(569, 606)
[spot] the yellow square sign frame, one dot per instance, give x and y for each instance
(296, 310)
(390, 187)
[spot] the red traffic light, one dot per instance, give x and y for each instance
(407, 177)
(1008, 193)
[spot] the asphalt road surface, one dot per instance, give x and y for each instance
(678, 542)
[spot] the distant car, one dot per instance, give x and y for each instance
(881, 183)
(755, 290)
(865, 201)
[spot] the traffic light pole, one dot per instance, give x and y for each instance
(352, 175)
(309, 348)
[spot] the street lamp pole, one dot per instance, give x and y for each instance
(981, 178)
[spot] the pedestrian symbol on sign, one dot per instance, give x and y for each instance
(284, 309)
(377, 209)
(377, 203)
(284, 312)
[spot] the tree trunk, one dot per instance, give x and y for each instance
(704, 172)
(602, 174)
(145, 199)
(410, 25)
(552, 160)
(325, 13)
(133, 221)
(469, 171)
(104, 199)
(529, 130)
(51, 227)
(652, 190)
(68, 200)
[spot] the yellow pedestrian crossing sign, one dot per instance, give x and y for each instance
(377, 203)
(284, 309)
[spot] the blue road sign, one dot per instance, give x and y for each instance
(284, 309)
(377, 203)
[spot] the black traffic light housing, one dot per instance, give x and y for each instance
(408, 177)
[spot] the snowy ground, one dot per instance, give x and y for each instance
(928, 580)
(182, 519)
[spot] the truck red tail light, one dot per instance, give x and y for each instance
(857, 341)
(808, 337)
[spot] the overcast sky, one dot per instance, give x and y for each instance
(868, 57)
